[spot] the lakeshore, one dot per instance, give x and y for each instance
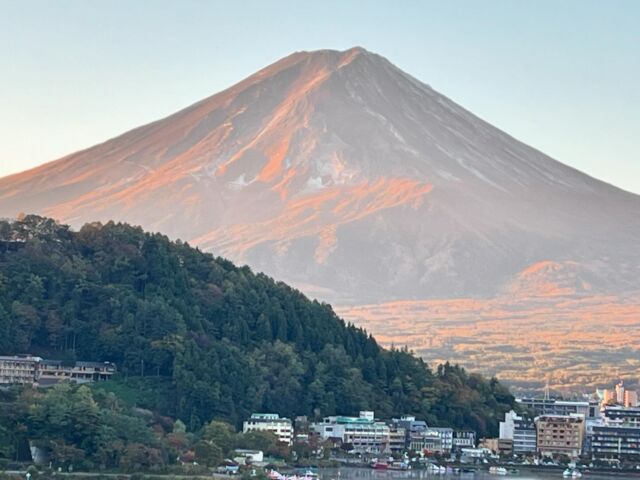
(354, 473)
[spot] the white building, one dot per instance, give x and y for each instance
(248, 457)
(521, 431)
(446, 436)
(363, 433)
(620, 393)
(270, 422)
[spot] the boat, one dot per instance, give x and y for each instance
(433, 468)
(273, 475)
(497, 470)
(572, 473)
(310, 474)
(379, 465)
(399, 466)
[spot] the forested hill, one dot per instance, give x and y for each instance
(220, 341)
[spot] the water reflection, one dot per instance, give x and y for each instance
(370, 474)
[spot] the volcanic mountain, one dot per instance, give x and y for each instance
(345, 176)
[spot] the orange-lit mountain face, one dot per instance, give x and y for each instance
(343, 175)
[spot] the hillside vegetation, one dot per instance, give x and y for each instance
(197, 338)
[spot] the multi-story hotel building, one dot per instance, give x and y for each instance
(18, 370)
(627, 416)
(37, 371)
(546, 406)
(560, 435)
(363, 433)
(282, 428)
(610, 442)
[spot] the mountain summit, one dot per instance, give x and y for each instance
(339, 172)
(343, 175)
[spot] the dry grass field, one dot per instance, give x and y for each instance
(574, 344)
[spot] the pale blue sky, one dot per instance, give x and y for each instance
(563, 76)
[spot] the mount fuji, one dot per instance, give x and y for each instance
(341, 174)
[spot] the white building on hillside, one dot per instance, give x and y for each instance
(270, 422)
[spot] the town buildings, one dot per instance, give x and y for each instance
(32, 370)
(419, 437)
(560, 435)
(282, 428)
(365, 435)
(619, 396)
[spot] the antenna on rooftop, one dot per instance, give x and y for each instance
(547, 394)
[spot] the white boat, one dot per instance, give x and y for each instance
(572, 473)
(433, 468)
(498, 470)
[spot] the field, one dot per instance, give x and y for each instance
(574, 344)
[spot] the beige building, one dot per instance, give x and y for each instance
(51, 372)
(30, 370)
(630, 398)
(19, 370)
(397, 440)
(560, 435)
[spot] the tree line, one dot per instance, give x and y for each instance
(205, 339)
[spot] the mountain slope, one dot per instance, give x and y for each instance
(338, 171)
(221, 341)
(346, 177)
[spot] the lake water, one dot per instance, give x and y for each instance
(370, 474)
